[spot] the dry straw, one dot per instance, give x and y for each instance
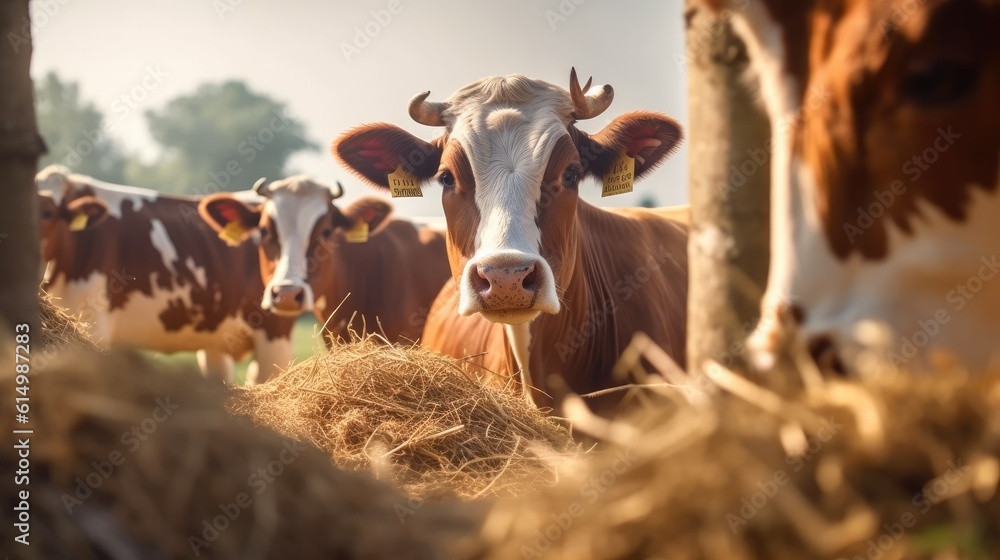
(130, 459)
(59, 328)
(413, 417)
(893, 467)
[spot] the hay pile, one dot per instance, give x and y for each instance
(131, 460)
(413, 417)
(890, 468)
(59, 328)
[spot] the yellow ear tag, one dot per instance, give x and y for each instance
(233, 234)
(404, 185)
(358, 233)
(619, 180)
(79, 223)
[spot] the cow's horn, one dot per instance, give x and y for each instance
(588, 105)
(427, 112)
(337, 192)
(261, 188)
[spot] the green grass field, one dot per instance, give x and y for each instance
(304, 344)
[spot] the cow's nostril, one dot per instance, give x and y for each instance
(530, 280)
(480, 280)
(299, 296)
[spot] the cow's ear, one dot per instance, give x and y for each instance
(648, 137)
(375, 150)
(231, 218)
(368, 210)
(85, 212)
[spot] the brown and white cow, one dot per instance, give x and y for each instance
(571, 282)
(385, 278)
(145, 271)
(885, 166)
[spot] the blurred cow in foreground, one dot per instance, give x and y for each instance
(885, 166)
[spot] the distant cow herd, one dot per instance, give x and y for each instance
(541, 290)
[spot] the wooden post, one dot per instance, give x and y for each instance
(729, 146)
(20, 148)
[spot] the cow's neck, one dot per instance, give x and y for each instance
(580, 343)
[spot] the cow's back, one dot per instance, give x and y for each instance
(158, 277)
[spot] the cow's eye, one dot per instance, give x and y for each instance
(446, 179)
(571, 177)
(264, 234)
(939, 82)
(47, 214)
(327, 233)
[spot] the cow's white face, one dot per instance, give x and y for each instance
(509, 165)
(885, 169)
(286, 232)
(504, 130)
(299, 232)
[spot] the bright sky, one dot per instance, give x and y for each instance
(294, 51)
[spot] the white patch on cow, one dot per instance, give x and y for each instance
(200, 276)
(792, 218)
(160, 239)
(916, 294)
(216, 365)
(87, 299)
(508, 126)
(519, 337)
(295, 205)
(138, 323)
(273, 356)
(55, 178)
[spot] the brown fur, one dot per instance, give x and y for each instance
(592, 252)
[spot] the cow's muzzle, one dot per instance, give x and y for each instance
(287, 299)
(508, 287)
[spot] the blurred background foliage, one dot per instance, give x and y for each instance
(219, 137)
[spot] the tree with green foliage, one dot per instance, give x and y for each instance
(76, 132)
(222, 137)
